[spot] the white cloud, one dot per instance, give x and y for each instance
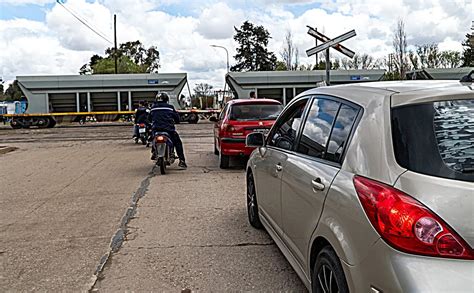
(218, 21)
(61, 44)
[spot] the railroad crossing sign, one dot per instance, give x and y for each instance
(330, 43)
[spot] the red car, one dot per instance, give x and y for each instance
(239, 118)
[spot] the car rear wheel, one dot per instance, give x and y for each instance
(223, 161)
(252, 207)
(328, 275)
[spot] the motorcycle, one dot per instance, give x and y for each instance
(164, 151)
(142, 134)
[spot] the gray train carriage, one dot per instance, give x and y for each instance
(67, 98)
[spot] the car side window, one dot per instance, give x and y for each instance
(285, 132)
(340, 133)
(317, 128)
(222, 114)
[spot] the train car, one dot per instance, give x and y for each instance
(67, 98)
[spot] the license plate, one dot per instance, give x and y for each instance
(142, 130)
(262, 130)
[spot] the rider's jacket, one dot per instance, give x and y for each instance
(141, 115)
(164, 116)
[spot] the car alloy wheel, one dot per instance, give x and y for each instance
(252, 207)
(326, 280)
(328, 275)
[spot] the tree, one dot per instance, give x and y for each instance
(450, 59)
(289, 53)
(203, 92)
(13, 92)
(364, 61)
(414, 60)
(135, 58)
(1, 90)
(468, 51)
(400, 46)
(429, 55)
(281, 66)
(252, 52)
(124, 64)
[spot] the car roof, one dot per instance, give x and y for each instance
(402, 92)
(253, 101)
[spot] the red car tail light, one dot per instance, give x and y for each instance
(406, 224)
(142, 125)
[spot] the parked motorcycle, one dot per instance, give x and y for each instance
(164, 151)
(143, 134)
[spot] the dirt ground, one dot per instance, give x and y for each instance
(84, 209)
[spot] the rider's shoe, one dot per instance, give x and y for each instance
(182, 164)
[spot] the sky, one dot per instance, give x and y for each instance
(40, 37)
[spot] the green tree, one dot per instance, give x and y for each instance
(145, 60)
(450, 59)
(429, 55)
(1, 91)
(13, 92)
(281, 66)
(468, 51)
(252, 52)
(124, 65)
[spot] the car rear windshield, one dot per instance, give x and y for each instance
(262, 111)
(436, 138)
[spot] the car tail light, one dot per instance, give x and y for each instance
(232, 130)
(142, 125)
(406, 224)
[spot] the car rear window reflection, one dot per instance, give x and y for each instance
(255, 112)
(436, 138)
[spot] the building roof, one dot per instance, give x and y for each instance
(303, 77)
(54, 82)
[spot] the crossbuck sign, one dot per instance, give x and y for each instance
(330, 43)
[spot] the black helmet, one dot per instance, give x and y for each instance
(162, 97)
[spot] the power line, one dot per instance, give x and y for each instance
(84, 22)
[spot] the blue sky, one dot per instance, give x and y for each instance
(181, 8)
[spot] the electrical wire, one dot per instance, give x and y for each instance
(84, 22)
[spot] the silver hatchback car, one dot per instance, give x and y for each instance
(370, 187)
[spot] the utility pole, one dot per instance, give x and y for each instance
(115, 43)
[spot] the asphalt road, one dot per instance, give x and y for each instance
(84, 209)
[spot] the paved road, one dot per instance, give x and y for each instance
(83, 198)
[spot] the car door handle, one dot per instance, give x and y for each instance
(317, 185)
(279, 167)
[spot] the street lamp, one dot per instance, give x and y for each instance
(228, 69)
(227, 52)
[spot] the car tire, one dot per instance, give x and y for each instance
(223, 161)
(252, 206)
(328, 275)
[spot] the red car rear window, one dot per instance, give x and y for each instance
(246, 112)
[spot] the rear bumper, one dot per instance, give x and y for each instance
(389, 270)
(234, 147)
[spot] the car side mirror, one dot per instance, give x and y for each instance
(213, 119)
(255, 140)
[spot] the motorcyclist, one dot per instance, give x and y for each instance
(141, 117)
(164, 117)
